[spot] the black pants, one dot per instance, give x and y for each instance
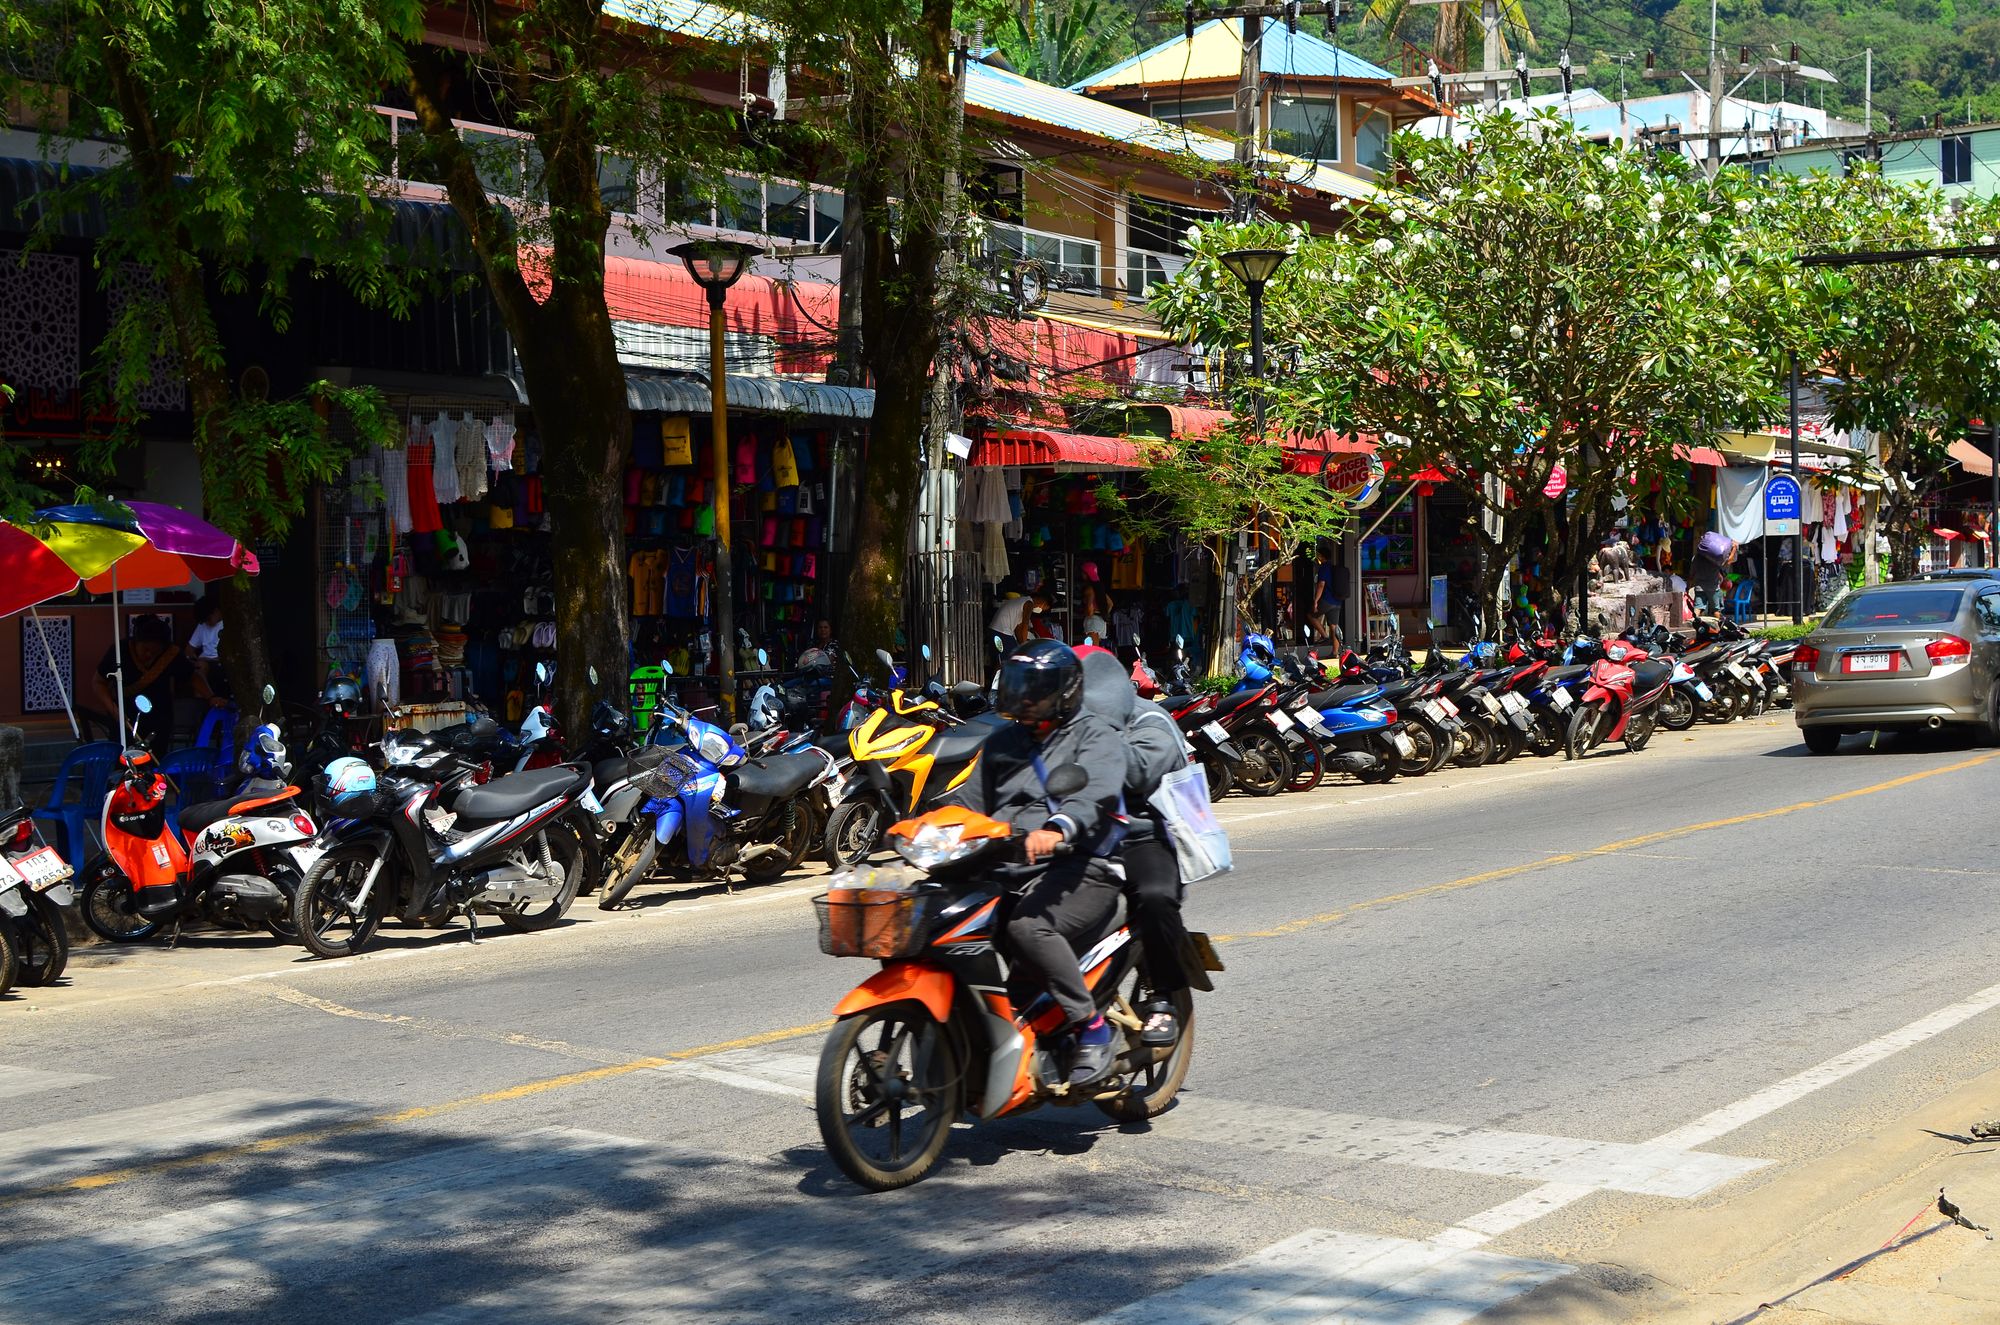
(1153, 895)
(1075, 896)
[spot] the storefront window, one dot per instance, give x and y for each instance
(1392, 547)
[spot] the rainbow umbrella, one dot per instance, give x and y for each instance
(154, 547)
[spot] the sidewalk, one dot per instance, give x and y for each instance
(1851, 1238)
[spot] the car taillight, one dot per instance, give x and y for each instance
(1806, 659)
(1948, 649)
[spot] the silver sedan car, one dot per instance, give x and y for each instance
(1911, 655)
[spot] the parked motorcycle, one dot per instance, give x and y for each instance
(35, 890)
(232, 862)
(947, 1028)
(518, 848)
(1625, 685)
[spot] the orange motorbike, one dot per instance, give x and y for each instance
(945, 1028)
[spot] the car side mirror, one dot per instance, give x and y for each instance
(1066, 781)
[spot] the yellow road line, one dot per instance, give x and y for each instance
(313, 1136)
(1325, 918)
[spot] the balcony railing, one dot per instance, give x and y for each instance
(1144, 270)
(507, 160)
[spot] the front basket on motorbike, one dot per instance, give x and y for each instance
(665, 779)
(884, 923)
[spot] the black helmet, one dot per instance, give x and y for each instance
(1041, 683)
(341, 697)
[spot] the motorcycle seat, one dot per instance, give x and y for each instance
(517, 793)
(1651, 675)
(1557, 675)
(1230, 703)
(1705, 652)
(1335, 696)
(198, 816)
(960, 743)
(775, 777)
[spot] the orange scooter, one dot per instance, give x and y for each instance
(232, 863)
(944, 1029)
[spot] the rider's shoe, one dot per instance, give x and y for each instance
(1162, 1028)
(1093, 1052)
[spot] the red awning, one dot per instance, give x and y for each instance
(1045, 446)
(1701, 455)
(1196, 420)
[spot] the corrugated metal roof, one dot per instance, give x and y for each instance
(691, 18)
(992, 89)
(1216, 51)
(687, 393)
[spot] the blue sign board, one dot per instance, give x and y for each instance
(1781, 504)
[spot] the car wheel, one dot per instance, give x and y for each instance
(1992, 732)
(1821, 740)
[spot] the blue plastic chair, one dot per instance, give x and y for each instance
(193, 771)
(1739, 601)
(77, 798)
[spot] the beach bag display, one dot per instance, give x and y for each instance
(1201, 847)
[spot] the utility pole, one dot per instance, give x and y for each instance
(1868, 89)
(943, 397)
(1713, 134)
(1249, 107)
(1494, 75)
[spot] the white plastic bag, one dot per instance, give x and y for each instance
(1200, 845)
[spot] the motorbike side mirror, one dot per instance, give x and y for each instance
(542, 673)
(666, 668)
(143, 704)
(270, 694)
(1180, 641)
(763, 659)
(882, 656)
(592, 674)
(999, 644)
(926, 651)
(1067, 780)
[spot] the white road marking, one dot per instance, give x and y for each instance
(768, 1071)
(18, 1081)
(35, 1155)
(1323, 1276)
(1550, 1197)
(1651, 1170)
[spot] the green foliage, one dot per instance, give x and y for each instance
(1786, 631)
(1062, 42)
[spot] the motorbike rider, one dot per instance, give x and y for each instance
(1040, 692)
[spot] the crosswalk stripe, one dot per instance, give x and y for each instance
(1651, 1170)
(1324, 1276)
(116, 1272)
(767, 1071)
(18, 1081)
(34, 1155)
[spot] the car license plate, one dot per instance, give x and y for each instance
(1215, 731)
(1701, 688)
(1869, 662)
(43, 869)
(1281, 720)
(1404, 745)
(1560, 698)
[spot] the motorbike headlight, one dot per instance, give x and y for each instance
(937, 844)
(714, 747)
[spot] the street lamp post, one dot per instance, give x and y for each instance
(717, 264)
(1253, 267)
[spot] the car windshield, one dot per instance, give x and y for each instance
(1896, 607)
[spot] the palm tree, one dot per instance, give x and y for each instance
(1066, 40)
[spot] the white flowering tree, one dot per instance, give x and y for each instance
(1524, 303)
(1912, 346)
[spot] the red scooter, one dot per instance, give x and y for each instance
(1617, 705)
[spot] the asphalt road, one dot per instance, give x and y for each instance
(1473, 1027)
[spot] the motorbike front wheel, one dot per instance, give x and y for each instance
(107, 905)
(793, 846)
(888, 1092)
(1583, 725)
(631, 862)
(853, 831)
(1639, 731)
(10, 964)
(44, 943)
(1266, 768)
(327, 924)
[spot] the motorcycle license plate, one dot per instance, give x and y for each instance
(1281, 720)
(1450, 708)
(42, 869)
(1214, 731)
(307, 856)
(1491, 705)
(1701, 688)
(1513, 703)
(1404, 745)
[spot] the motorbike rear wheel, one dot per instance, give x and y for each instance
(796, 842)
(877, 1066)
(1678, 710)
(1507, 741)
(1215, 768)
(1149, 1091)
(10, 964)
(1547, 736)
(326, 925)
(853, 831)
(1423, 747)
(566, 853)
(1266, 768)
(1308, 769)
(107, 906)
(1639, 731)
(1478, 744)
(44, 943)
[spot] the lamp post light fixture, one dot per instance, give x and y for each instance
(717, 264)
(1253, 267)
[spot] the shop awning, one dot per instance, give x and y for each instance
(688, 393)
(1971, 458)
(1701, 455)
(1045, 446)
